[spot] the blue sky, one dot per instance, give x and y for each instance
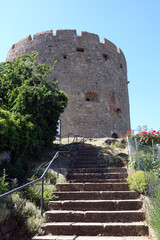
(132, 25)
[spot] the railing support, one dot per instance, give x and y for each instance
(158, 146)
(130, 154)
(136, 144)
(42, 196)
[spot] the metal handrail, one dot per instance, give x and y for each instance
(42, 177)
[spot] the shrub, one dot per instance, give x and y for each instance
(145, 137)
(30, 108)
(142, 181)
(118, 144)
(33, 192)
(4, 185)
(19, 218)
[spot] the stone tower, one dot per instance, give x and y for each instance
(93, 74)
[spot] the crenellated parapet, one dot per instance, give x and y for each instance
(86, 39)
(92, 73)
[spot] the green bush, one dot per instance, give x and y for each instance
(33, 192)
(4, 185)
(117, 144)
(30, 108)
(142, 181)
(19, 218)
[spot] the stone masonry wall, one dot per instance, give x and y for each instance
(93, 74)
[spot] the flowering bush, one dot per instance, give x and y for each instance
(145, 137)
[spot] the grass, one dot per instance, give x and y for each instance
(154, 211)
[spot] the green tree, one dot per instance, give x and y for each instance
(30, 107)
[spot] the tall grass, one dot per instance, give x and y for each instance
(154, 211)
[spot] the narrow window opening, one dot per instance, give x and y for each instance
(65, 56)
(91, 96)
(118, 110)
(121, 65)
(13, 46)
(114, 135)
(80, 49)
(105, 56)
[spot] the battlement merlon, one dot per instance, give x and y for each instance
(23, 41)
(63, 34)
(43, 35)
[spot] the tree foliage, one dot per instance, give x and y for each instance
(30, 106)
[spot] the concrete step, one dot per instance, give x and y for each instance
(100, 205)
(94, 216)
(98, 170)
(92, 187)
(97, 175)
(93, 229)
(97, 195)
(96, 180)
(69, 237)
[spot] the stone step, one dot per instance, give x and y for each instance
(97, 195)
(69, 237)
(85, 166)
(86, 162)
(87, 154)
(96, 175)
(100, 205)
(97, 180)
(94, 216)
(98, 170)
(93, 229)
(79, 159)
(92, 187)
(89, 149)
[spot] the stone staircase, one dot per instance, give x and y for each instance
(95, 204)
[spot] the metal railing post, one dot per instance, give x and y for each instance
(137, 159)
(130, 154)
(42, 196)
(158, 146)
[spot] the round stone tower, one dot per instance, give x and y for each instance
(93, 74)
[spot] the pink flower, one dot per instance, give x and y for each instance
(139, 141)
